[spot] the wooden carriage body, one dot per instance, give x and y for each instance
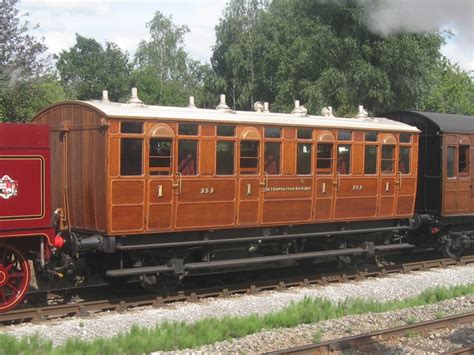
(132, 169)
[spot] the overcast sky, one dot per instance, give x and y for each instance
(124, 22)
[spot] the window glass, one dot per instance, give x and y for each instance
(249, 157)
(324, 158)
(370, 165)
(272, 132)
(160, 156)
(303, 164)
(450, 161)
(405, 137)
(344, 135)
(304, 133)
(404, 160)
(131, 155)
(187, 157)
(188, 129)
(224, 158)
(131, 127)
(371, 136)
(272, 158)
(344, 159)
(388, 155)
(226, 131)
(463, 159)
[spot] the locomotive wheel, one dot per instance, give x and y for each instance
(15, 277)
(453, 249)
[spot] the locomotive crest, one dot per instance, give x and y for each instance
(8, 187)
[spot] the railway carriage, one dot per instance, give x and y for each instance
(445, 197)
(162, 192)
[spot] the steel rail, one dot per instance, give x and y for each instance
(84, 309)
(362, 340)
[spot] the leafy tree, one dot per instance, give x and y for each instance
(87, 68)
(452, 90)
(22, 62)
(323, 53)
(238, 50)
(164, 72)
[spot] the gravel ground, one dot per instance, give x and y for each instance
(108, 324)
(304, 334)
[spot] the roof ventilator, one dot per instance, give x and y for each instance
(299, 110)
(265, 107)
(327, 111)
(222, 105)
(258, 106)
(191, 102)
(134, 98)
(105, 97)
(362, 113)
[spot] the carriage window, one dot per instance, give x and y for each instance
(464, 159)
(188, 129)
(272, 158)
(131, 127)
(344, 135)
(371, 136)
(187, 157)
(370, 165)
(131, 153)
(226, 131)
(224, 158)
(303, 166)
(272, 132)
(450, 161)
(405, 137)
(404, 160)
(249, 157)
(324, 158)
(388, 157)
(305, 133)
(344, 159)
(160, 156)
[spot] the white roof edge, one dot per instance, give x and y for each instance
(137, 111)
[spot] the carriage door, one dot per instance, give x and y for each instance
(464, 193)
(405, 191)
(250, 177)
(160, 177)
(389, 185)
(325, 177)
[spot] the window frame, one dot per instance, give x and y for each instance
(393, 159)
(467, 160)
(234, 168)
(171, 157)
(452, 148)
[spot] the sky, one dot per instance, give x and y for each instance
(124, 22)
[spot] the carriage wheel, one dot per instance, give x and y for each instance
(14, 277)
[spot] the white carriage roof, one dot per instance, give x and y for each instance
(141, 111)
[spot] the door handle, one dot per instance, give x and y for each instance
(337, 182)
(265, 181)
(179, 184)
(399, 181)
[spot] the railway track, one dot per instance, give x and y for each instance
(363, 342)
(119, 304)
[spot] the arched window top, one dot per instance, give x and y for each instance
(325, 137)
(161, 130)
(250, 133)
(389, 139)
(464, 141)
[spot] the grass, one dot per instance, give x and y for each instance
(178, 335)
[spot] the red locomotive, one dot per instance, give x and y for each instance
(159, 193)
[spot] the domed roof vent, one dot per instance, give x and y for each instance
(299, 110)
(327, 111)
(362, 113)
(222, 105)
(105, 97)
(134, 98)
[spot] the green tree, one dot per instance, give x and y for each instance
(87, 68)
(22, 67)
(164, 72)
(452, 90)
(238, 50)
(323, 53)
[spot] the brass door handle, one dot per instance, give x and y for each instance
(179, 184)
(337, 182)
